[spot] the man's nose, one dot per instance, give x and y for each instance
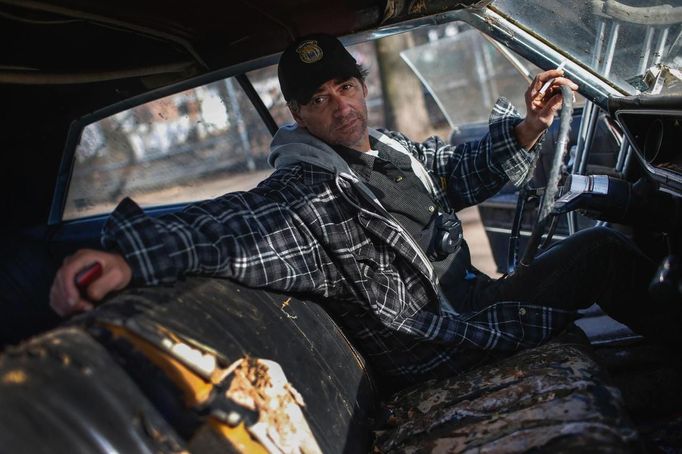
(341, 105)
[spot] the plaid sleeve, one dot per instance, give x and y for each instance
(471, 172)
(246, 236)
(133, 234)
(504, 326)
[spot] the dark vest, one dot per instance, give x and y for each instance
(390, 177)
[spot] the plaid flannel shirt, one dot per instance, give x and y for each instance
(300, 231)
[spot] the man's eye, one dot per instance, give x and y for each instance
(347, 86)
(318, 100)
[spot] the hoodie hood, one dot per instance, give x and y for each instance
(293, 144)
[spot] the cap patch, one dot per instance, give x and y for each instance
(309, 51)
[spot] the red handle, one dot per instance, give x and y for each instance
(87, 275)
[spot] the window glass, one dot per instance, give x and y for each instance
(207, 141)
(189, 146)
(621, 40)
(266, 84)
(466, 75)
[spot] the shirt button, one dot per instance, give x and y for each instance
(522, 311)
(432, 208)
(398, 179)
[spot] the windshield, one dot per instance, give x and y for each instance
(633, 43)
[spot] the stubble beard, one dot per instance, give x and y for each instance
(354, 136)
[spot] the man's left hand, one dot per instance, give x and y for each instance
(541, 107)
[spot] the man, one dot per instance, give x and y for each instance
(363, 222)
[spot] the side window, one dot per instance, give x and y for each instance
(189, 146)
(266, 84)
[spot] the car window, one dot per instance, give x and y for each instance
(189, 146)
(465, 74)
(266, 84)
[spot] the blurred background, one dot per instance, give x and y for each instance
(207, 141)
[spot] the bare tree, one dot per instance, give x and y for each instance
(404, 105)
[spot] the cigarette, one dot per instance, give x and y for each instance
(549, 82)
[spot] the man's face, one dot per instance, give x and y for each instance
(337, 114)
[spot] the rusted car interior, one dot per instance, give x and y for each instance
(209, 365)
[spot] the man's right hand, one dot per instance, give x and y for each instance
(66, 299)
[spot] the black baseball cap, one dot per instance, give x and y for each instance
(311, 61)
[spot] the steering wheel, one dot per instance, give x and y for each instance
(548, 198)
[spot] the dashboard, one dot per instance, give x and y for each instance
(656, 136)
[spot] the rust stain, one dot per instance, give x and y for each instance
(253, 378)
(66, 359)
(295, 395)
(261, 385)
(283, 308)
(14, 377)
(417, 7)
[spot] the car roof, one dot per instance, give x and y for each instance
(63, 59)
(74, 41)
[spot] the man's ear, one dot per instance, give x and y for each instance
(364, 89)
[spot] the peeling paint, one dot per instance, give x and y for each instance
(261, 385)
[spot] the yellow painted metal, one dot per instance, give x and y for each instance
(238, 437)
(195, 389)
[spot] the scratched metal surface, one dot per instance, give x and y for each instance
(554, 398)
